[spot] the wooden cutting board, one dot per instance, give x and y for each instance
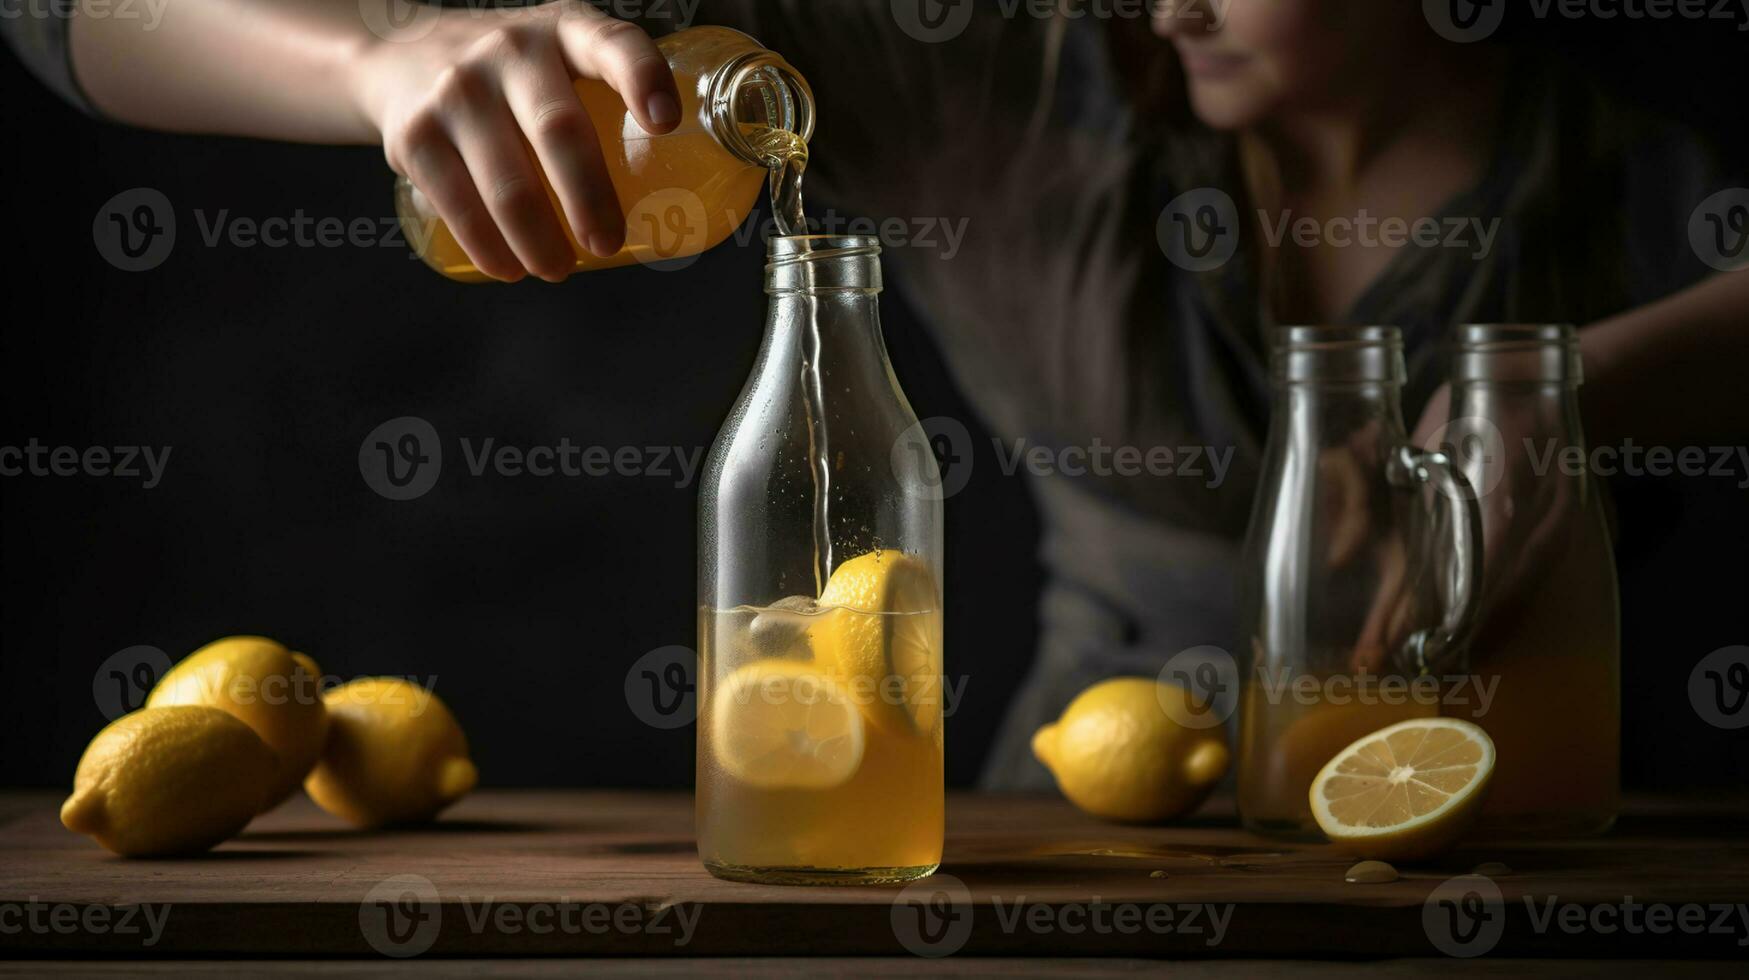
(602, 873)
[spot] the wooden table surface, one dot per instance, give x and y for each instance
(572, 874)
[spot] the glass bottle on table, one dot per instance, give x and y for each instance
(820, 605)
(745, 115)
(1547, 645)
(1360, 569)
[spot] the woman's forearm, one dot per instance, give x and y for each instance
(477, 106)
(1672, 371)
(277, 69)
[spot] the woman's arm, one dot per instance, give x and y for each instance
(451, 94)
(1671, 372)
(239, 67)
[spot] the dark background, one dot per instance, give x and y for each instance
(526, 599)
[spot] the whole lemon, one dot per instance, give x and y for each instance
(170, 781)
(262, 684)
(395, 754)
(1122, 751)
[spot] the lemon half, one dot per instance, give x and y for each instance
(1405, 792)
(778, 725)
(880, 639)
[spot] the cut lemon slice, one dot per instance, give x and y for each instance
(1406, 791)
(779, 725)
(880, 638)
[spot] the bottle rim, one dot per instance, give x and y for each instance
(1516, 353)
(823, 263)
(793, 110)
(1320, 355)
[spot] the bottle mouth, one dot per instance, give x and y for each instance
(1337, 355)
(1517, 353)
(754, 91)
(823, 263)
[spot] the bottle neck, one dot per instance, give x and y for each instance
(1310, 415)
(1523, 381)
(825, 313)
(1550, 407)
(754, 98)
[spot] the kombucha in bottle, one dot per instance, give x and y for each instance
(820, 606)
(745, 118)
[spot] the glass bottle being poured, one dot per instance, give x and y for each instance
(745, 119)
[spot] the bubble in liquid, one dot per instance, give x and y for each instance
(781, 629)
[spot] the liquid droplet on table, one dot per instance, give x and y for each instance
(1370, 873)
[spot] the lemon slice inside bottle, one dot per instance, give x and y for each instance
(779, 725)
(880, 639)
(1406, 791)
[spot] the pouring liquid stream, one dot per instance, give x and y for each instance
(787, 156)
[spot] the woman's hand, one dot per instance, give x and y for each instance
(460, 108)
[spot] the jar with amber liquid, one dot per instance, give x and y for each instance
(1546, 651)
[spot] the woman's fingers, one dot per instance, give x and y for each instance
(545, 105)
(490, 143)
(480, 102)
(434, 166)
(622, 55)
